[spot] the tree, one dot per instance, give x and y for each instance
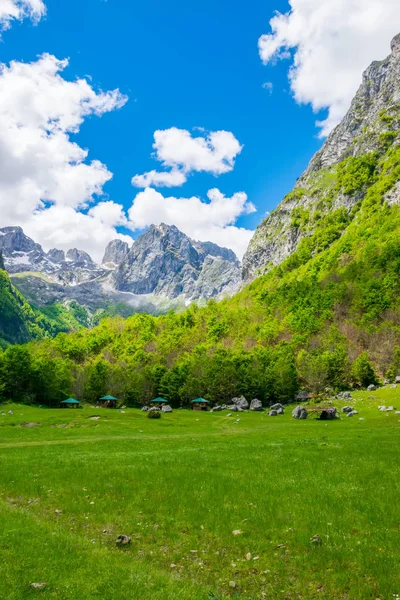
(362, 371)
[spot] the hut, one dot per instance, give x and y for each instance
(159, 401)
(200, 404)
(109, 401)
(70, 403)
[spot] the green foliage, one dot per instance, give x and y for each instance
(355, 173)
(362, 371)
(154, 414)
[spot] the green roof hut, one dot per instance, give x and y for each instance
(200, 404)
(70, 403)
(109, 401)
(160, 401)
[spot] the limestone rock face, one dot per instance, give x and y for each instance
(115, 253)
(373, 113)
(166, 262)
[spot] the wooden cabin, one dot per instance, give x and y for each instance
(109, 402)
(70, 403)
(200, 404)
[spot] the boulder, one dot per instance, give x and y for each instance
(273, 413)
(389, 408)
(256, 404)
(371, 388)
(347, 409)
(346, 395)
(280, 411)
(299, 413)
(352, 413)
(154, 409)
(145, 408)
(217, 409)
(240, 402)
(387, 382)
(397, 380)
(328, 414)
(277, 406)
(166, 408)
(382, 408)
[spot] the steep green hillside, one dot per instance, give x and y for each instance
(20, 322)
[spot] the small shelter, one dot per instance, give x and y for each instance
(109, 401)
(70, 403)
(159, 401)
(200, 404)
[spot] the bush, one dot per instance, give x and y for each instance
(362, 371)
(154, 414)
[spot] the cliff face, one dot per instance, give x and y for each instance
(370, 127)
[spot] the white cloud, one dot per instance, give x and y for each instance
(212, 152)
(46, 180)
(11, 10)
(269, 86)
(205, 221)
(332, 41)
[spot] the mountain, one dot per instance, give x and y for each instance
(326, 313)
(163, 269)
(164, 261)
(329, 193)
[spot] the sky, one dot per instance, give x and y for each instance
(117, 114)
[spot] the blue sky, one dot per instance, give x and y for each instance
(186, 65)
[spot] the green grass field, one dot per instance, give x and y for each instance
(180, 486)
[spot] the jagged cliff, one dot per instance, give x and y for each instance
(369, 129)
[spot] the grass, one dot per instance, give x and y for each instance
(181, 485)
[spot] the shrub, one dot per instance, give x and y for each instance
(362, 371)
(154, 414)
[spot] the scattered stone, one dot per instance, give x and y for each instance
(393, 387)
(299, 413)
(344, 395)
(29, 425)
(229, 415)
(10, 412)
(166, 408)
(361, 419)
(316, 540)
(173, 566)
(347, 409)
(328, 414)
(145, 408)
(277, 407)
(240, 402)
(397, 380)
(232, 584)
(123, 540)
(217, 409)
(371, 388)
(352, 413)
(397, 412)
(256, 405)
(237, 532)
(248, 556)
(390, 409)
(387, 382)
(154, 409)
(273, 413)
(94, 418)
(39, 586)
(382, 408)
(58, 512)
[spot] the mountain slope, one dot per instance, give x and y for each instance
(329, 193)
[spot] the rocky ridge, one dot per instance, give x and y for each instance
(371, 125)
(164, 268)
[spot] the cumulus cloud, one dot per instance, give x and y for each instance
(46, 182)
(182, 153)
(330, 43)
(11, 10)
(212, 221)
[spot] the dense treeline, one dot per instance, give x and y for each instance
(329, 316)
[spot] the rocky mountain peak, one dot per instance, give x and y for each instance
(395, 46)
(79, 257)
(56, 256)
(115, 252)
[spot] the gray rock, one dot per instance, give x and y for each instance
(277, 406)
(299, 413)
(166, 408)
(240, 402)
(390, 409)
(371, 388)
(123, 540)
(273, 413)
(256, 405)
(397, 380)
(280, 411)
(217, 409)
(347, 396)
(145, 408)
(347, 409)
(352, 413)
(328, 414)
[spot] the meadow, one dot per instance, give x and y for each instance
(217, 507)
